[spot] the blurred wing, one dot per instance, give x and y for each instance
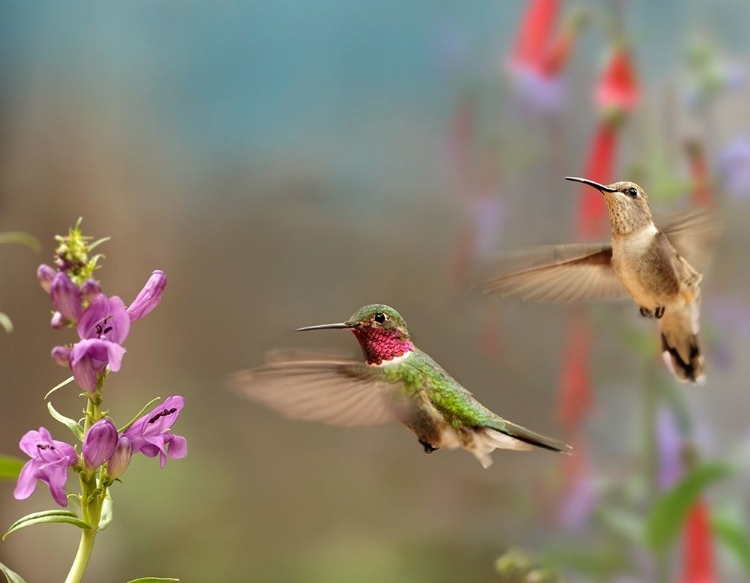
(319, 387)
(560, 274)
(694, 233)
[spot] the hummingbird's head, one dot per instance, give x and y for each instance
(627, 204)
(380, 330)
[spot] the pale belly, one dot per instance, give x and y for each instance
(650, 283)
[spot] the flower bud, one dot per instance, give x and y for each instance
(90, 288)
(149, 297)
(57, 321)
(45, 274)
(61, 355)
(99, 443)
(120, 460)
(66, 297)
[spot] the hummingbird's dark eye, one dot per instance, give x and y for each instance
(632, 192)
(380, 317)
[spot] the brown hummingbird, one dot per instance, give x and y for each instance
(657, 268)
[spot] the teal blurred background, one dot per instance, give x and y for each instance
(285, 163)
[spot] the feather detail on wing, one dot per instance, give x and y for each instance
(559, 274)
(693, 234)
(319, 387)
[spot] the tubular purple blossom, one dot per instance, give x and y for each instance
(151, 433)
(90, 289)
(61, 355)
(91, 357)
(45, 274)
(149, 297)
(49, 463)
(66, 297)
(99, 443)
(120, 459)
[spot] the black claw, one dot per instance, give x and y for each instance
(659, 312)
(428, 447)
(646, 313)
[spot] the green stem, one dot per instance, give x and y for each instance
(91, 507)
(82, 557)
(651, 411)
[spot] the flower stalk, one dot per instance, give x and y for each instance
(102, 324)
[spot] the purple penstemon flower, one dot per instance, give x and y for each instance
(66, 297)
(149, 297)
(151, 434)
(120, 459)
(99, 443)
(103, 326)
(49, 463)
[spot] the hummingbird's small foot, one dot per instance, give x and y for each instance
(646, 313)
(659, 312)
(428, 447)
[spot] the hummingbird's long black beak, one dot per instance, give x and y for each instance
(339, 326)
(599, 187)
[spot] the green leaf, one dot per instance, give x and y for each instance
(107, 512)
(669, 512)
(46, 517)
(623, 524)
(152, 580)
(5, 322)
(67, 421)
(10, 467)
(21, 239)
(141, 412)
(11, 576)
(734, 537)
(60, 386)
(95, 244)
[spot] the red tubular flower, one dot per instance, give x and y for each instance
(461, 138)
(618, 87)
(698, 560)
(592, 214)
(701, 188)
(534, 33)
(575, 396)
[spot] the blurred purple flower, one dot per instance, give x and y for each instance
(669, 444)
(536, 92)
(151, 434)
(579, 501)
(66, 297)
(120, 459)
(734, 167)
(731, 316)
(149, 297)
(99, 443)
(49, 463)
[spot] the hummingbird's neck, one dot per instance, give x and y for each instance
(380, 345)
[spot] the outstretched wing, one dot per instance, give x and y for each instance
(559, 274)
(694, 233)
(319, 387)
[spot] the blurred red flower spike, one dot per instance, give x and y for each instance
(701, 192)
(534, 33)
(558, 52)
(698, 560)
(592, 213)
(576, 397)
(618, 86)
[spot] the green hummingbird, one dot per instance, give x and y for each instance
(397, 382)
